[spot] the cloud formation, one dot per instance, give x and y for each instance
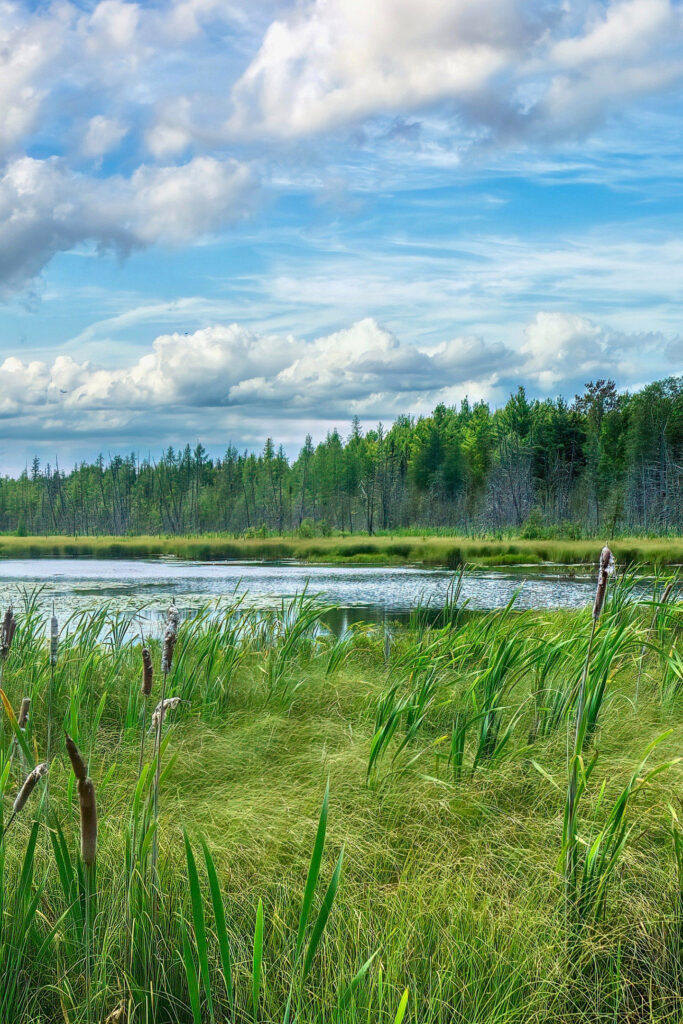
(46, 208)
(513, 68)
(195, 91)
(229, 374)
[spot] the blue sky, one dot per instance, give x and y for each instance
(222, 220)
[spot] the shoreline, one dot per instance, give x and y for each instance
(353, 549)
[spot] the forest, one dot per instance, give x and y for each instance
(607, 462)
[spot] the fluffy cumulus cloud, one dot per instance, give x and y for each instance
(29, 46)
(511, 67)
(226, 376)
(563, 347)
(102, 134)
(45, 208)
(127, 125)
(177, 90)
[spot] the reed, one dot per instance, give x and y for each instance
(145, 691)
(21, 799)
(88, 815)
(430, 547)
(9, 626)
(54, 655)
(450, 887)
(168, 648)
(570, 837)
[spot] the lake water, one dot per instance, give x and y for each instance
(367, 593)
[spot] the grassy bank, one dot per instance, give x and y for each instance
(449, 551)
(445, 748)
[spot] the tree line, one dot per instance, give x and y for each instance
(606, 462)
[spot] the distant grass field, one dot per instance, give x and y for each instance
(446, 751)
(428, 550)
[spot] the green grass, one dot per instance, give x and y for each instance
(387, 550)
(452, 877)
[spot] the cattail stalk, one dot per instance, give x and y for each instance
(22, 720)
(9, 626)
(54, 653)
(605, 570)
(170, 638)
(145, 689)
(88, 811)
(30, 783)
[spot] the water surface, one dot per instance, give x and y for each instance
(361, 592)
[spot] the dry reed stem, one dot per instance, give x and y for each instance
(605, 570)
(9, 627)
(30, 783)
(22, 718)
(160, 711)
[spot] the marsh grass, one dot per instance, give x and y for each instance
(451, 551)
(450, 904)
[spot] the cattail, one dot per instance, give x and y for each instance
(605, 570)
(54, 640)
(77, 762)
(667, 591)
(22, 720)
(30, 783)
(88, 808)
(170, 704)
(9, 626)
(170, 638)
(147, 672)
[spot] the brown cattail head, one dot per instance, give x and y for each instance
(30, 783)
(22, 720)
(88, 808)
(668, 590)
(605, 570)
(77, 762)
(9, 626)
(147, 672)
(54, 640)
(170, 637)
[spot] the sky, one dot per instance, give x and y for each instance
(222, 220)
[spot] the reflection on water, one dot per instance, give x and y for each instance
(367, 593)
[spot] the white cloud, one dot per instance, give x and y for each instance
(362, 369)
(513, 68)
(112, 25)
(46, 208)
(334, 61)
(28, 44)
(230, 375)
(102, 135)
(627, 30)
(562, 347)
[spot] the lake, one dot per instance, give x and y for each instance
(368, 593)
